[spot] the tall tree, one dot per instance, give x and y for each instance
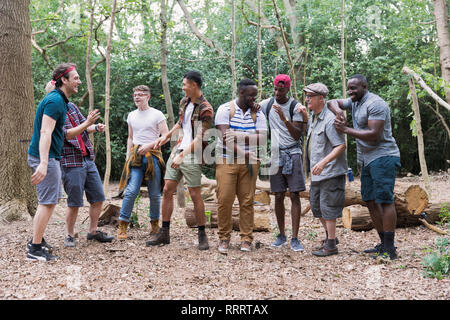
(233, 49)
(17, 105)
(107, 102)
(441, 16)
(88, 63)
(164, 77)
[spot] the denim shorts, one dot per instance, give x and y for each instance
(80, 180)
(327, 197)
(378, 179)
(50, 189)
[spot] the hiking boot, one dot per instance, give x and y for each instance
(69, 241)
(202, 240)
(224, 245)
(162, 238)
(100, 236)
(279, 241)
(324, 241)
(377, 249)
(40, 255)
(122, 232)
(325, 251)
(246, 246)
(45, 245)
(296, 245)
(154, 224)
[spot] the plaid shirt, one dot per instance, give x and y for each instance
(71, 155)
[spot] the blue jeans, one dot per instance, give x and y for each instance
(134, 186)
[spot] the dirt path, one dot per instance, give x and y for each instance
(129, 270)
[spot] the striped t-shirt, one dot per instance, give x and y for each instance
(241, 122)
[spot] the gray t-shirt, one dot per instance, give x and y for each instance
(279, 134)
(323, 137)
(372, 107)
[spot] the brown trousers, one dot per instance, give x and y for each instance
(235, 180)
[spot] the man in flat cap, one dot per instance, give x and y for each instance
(287, 127)
(327, 163)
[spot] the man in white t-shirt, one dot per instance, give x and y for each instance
(144, 162)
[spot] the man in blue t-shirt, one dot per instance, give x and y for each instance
(44, 155)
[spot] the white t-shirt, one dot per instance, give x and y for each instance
(145, 125)
(187, 127)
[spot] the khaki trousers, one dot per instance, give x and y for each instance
(235, 180)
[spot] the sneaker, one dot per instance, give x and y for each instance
(99, 236)
(45, 246)
(202, 241)
(296, 245)
(377, 249)
(246, 246)
(224, 245)
(69, 241)
(40, 255)
(391, 254)
(279, 241)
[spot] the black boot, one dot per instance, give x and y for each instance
(163, 237)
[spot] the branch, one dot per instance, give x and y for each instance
(422, 83)
(206, 40)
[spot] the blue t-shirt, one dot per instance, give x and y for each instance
(55, 106)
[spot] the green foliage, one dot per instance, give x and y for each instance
(437, 263)
(134, 219)
(444, 215)
(381, 37)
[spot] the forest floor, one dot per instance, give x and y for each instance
(130, 270)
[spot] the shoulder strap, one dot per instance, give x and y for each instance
(291, 109)
(269, 106)
(253, 115)
(232, 109)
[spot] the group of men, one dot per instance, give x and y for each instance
(60, 140)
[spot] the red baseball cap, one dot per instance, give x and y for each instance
(282, 78)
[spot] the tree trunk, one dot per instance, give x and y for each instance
(107, 103)
(344, 91)
(258, 53)
(88, 65)
(420, 144)
(164, 78)
(233, 49)
(17, 195)
(288, 51)
(441, 16)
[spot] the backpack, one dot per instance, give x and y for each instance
(291, 108)
(233, 111)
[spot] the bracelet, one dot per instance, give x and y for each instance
(95, 128)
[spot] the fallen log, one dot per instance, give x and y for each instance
(261, 217)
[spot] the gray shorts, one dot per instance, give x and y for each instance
(50, 189)
(78, 180)
(280, 182)
(327, 198)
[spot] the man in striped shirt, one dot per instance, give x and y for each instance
(242, 129)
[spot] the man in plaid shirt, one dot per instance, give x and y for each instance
(80, 174)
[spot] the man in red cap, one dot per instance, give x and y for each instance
(287, 126)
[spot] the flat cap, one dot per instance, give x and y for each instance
(317, 88)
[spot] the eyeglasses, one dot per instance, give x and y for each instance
(139, 95)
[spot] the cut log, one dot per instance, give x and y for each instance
(261, 218)
(109, 215)
(357, 218)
